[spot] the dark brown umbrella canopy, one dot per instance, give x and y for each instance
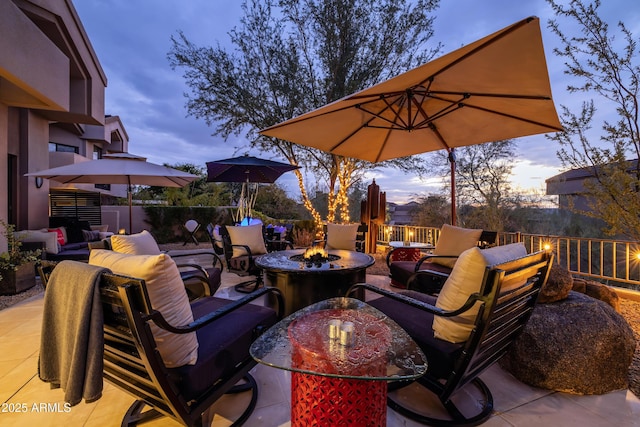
(246, 169)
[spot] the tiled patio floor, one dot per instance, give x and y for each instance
(516, 404)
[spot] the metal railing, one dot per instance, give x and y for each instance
(614, 262)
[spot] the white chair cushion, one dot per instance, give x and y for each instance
(466, 279)
(342, 236)
(141, 243)
(62, 234)
(103, 228)
(249, 235)
(167, 294)
(453, 241)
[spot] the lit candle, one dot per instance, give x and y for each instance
(347, 331)
(334, 328)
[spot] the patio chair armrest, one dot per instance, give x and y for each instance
(427, 281)
(279, 243)
(429, 258)
(417, 303)
(288, 244)
(196, 272)
(388, 259)
(246, 248)
(216, 261)
(200, 322)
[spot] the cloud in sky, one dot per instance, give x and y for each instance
(132, 39)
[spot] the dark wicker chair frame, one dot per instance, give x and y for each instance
(133, 364)
(502, 317)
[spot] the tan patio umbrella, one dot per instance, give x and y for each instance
(493, 89)
(119, 168)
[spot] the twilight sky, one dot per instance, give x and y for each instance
(132, 38)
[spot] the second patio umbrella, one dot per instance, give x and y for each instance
(493, 89)
(122, 168)
(246, 169)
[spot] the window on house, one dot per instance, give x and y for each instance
(54, 146)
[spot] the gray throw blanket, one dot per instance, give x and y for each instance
(72, 342)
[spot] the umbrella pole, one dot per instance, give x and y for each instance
(129, 198)
(452, 161)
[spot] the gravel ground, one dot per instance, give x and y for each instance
(629, 309)
(9, 300)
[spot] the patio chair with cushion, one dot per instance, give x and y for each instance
(200, 280)
(213, 233)
(437, 265)
(191, 227)
(175, 358)
(278, 238)
(429, 277)
(242, 244)
(482, 308)
(350, 237)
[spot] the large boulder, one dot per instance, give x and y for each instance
(598, 291)
(558, 285)
(579, 345)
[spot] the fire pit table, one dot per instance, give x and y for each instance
(316, 278)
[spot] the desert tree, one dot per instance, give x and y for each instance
(291, 56)
(602, 135)
(483, 182)
(432, 210)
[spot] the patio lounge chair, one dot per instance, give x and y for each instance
(436, 267)
(351, 237)
(199, 280)
(213, 233)
(242, 244)
(191, 226)
(279, 239)
(483, 307)
(134, 361)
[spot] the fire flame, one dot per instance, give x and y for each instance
(315, 251)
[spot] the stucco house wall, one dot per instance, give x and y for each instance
(51, 90)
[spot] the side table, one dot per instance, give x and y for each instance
(408, 252)
(341, 352)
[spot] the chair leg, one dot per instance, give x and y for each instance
(247, 287)
(191, 239)
(457, 418)
(250, 285)
(135, 414)
(249, 385)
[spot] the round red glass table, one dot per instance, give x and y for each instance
(341, 353)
